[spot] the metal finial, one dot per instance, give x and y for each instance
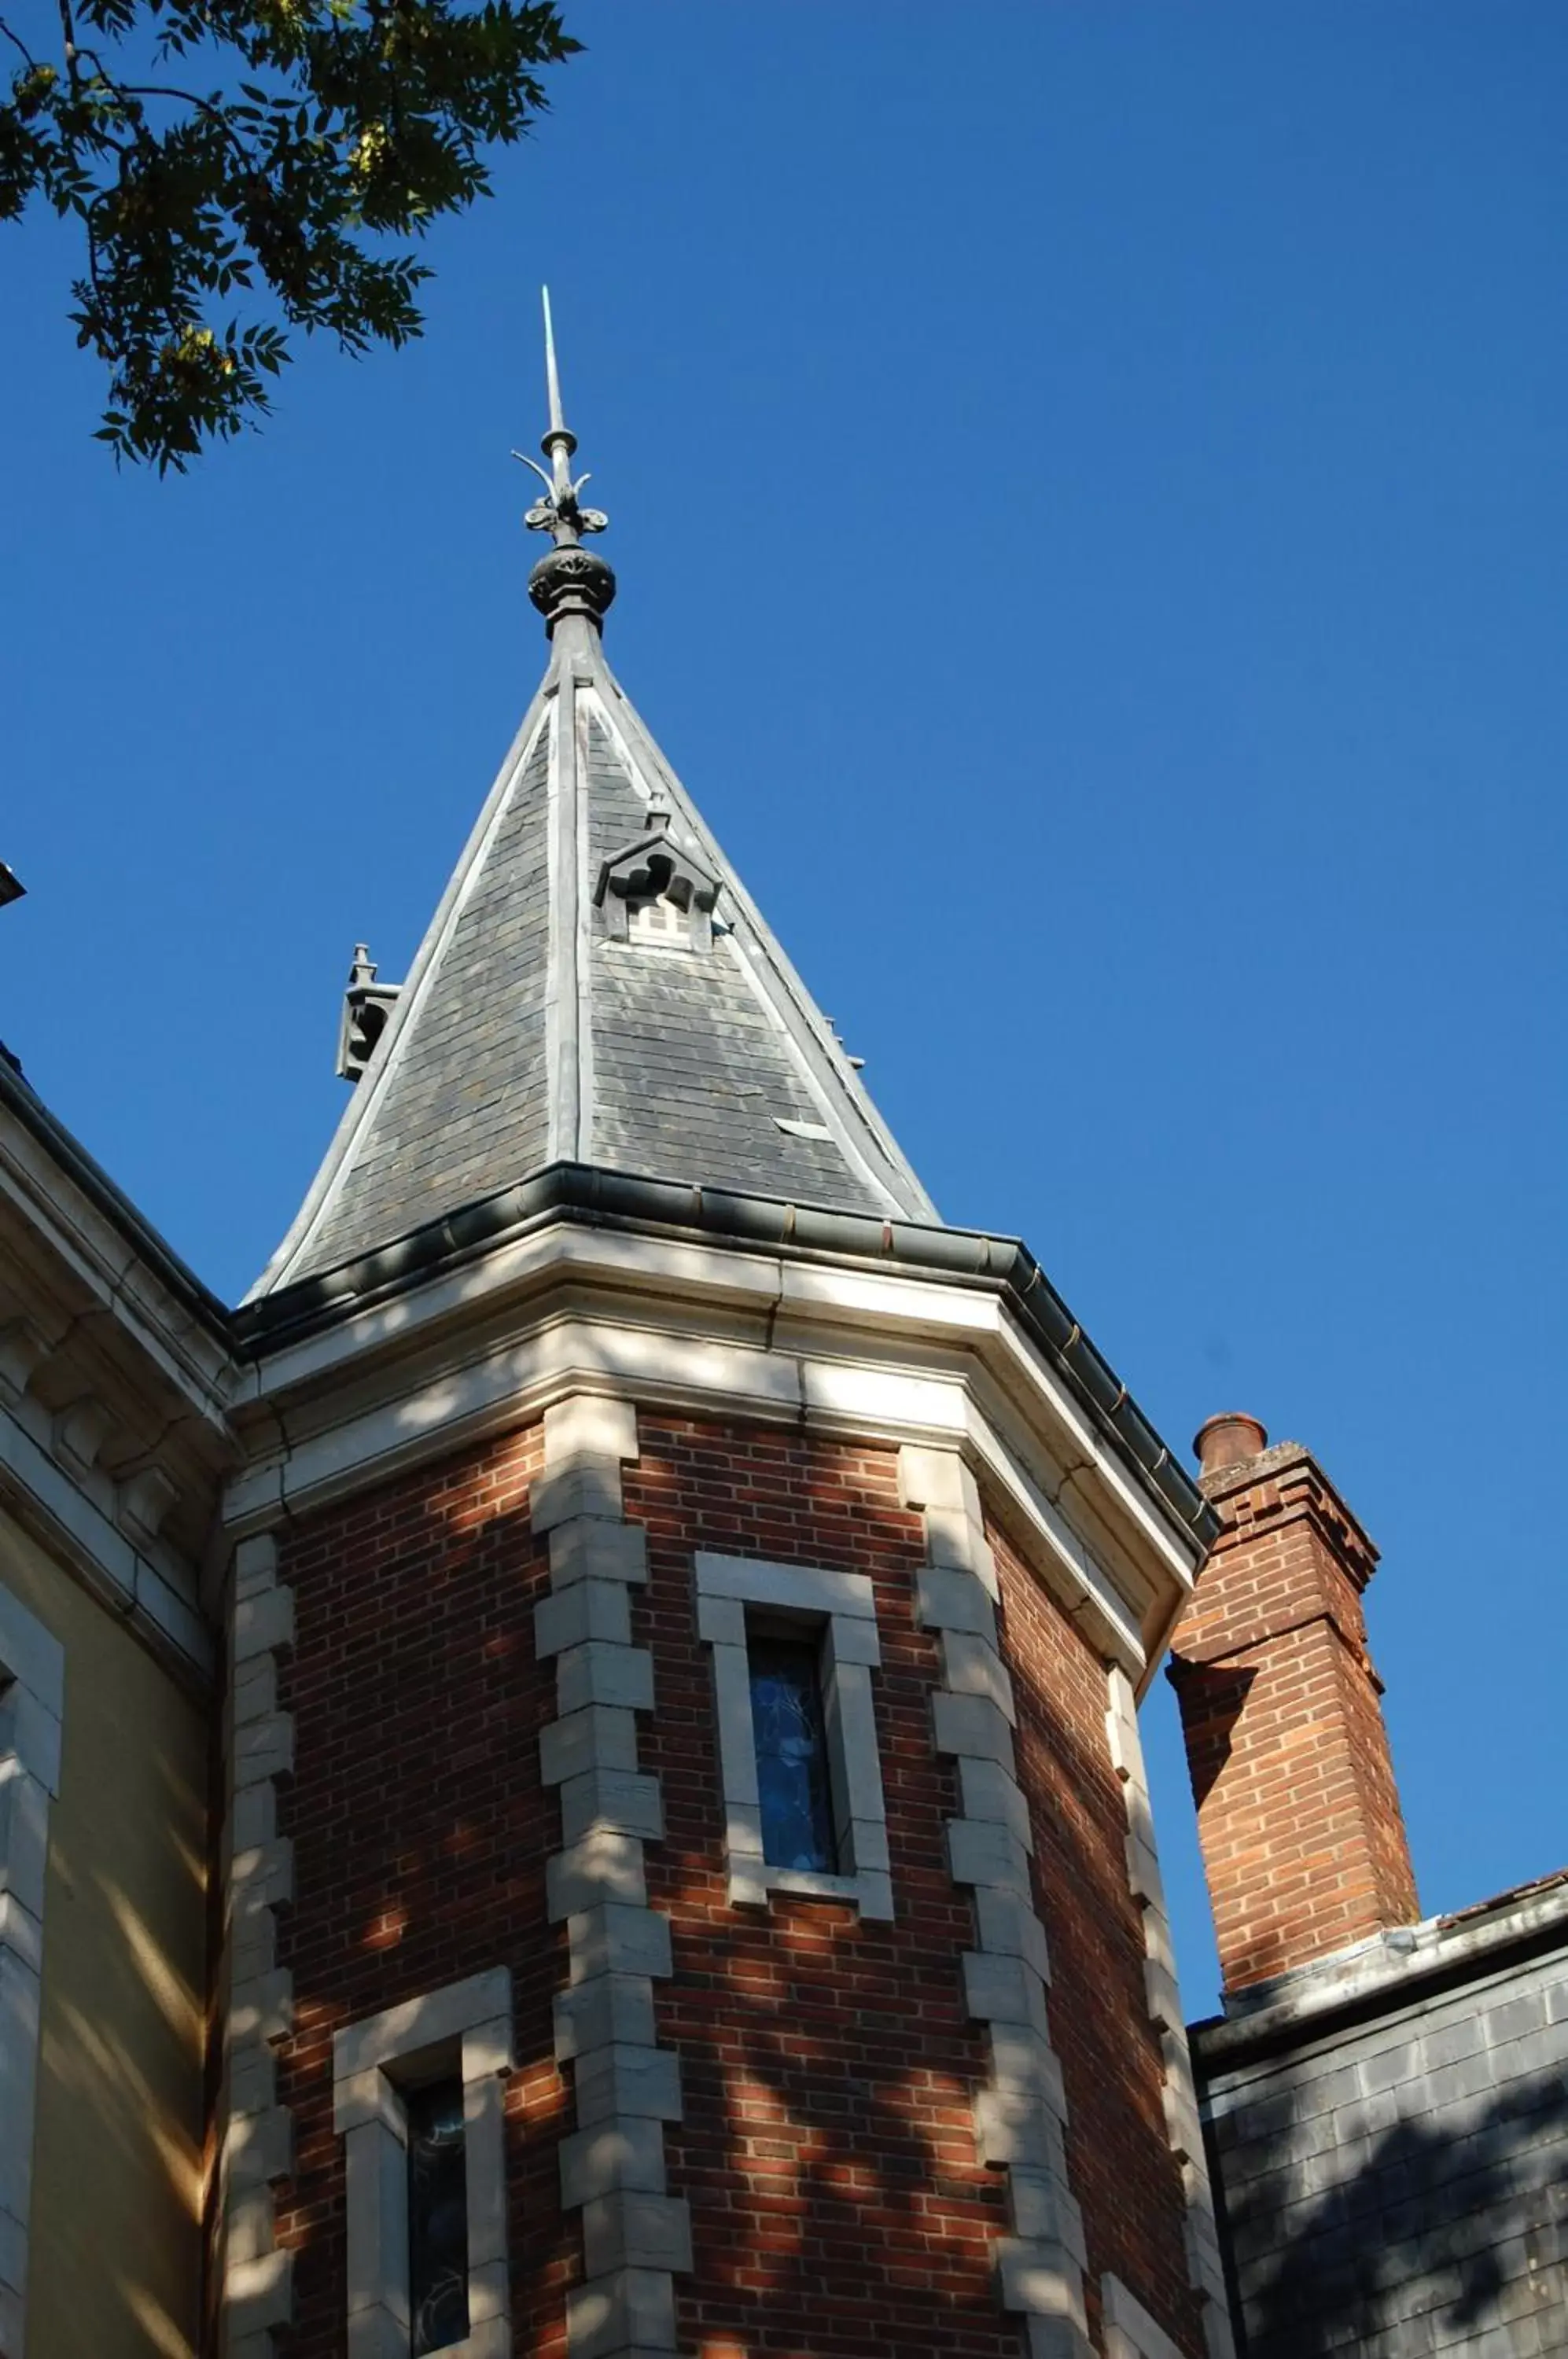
(552, 375)
(560, 513)
(560, 583)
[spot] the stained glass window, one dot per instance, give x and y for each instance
(438, 2217)
(791, 1755)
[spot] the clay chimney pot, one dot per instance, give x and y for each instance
(1228, 1440)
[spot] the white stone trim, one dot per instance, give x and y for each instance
(702, 1329)
(635, 2234)
(257, 2136)
(1130, 2331)
(1021, 2110)
(467, 2026)
(1205, 2270)
(32, 1703)
(76, 1526)
(841, 1607)
(95, 1267)
(113, 1388)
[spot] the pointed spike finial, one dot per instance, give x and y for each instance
(558, 441)
(569, 581)
(553, 374)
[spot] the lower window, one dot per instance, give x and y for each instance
(438, 2216)
(418, 2098)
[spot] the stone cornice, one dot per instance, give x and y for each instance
(71, 1201)
(801, 1233)
(114, 1377)
(133, 1394)
(702, 1329)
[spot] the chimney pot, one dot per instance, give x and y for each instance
(1228, 1440)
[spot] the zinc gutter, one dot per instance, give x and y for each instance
(19, 1097)
(622, 1200)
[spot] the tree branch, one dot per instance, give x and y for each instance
(68, 28)
(16, 42)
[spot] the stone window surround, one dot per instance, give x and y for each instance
(1130, 2331)
(1021, 2109)
(467, 2026)
(841, 1607)
(1205, 2267)
(32, 1690)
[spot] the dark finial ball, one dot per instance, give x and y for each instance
(572, 582)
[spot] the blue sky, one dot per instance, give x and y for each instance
(1088, 489)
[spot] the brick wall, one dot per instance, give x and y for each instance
(420, 1833)
(1118, 2151)
(1303, 1840)
(828, 2066)
(828, 2147)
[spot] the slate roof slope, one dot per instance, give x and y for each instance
(529, 1034)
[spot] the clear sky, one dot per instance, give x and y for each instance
(1088, 491)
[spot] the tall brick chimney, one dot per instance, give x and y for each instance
(1303, 1840)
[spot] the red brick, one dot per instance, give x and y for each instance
(1286, 1744)
(827, 2150)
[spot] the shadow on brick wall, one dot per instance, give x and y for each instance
(1211, 1697)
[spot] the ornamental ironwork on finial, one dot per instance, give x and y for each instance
(571, 580)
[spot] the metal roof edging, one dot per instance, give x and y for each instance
(19, 1096)
(588, 1192)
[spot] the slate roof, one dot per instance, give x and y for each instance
(529, 1034)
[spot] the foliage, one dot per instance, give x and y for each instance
(209, 147)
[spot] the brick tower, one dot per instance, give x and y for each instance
(691, 1886)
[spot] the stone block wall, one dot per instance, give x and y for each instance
(1389, 2134)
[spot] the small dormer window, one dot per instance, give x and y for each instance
(659, 892)
(658, 920)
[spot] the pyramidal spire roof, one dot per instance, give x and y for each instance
(596, 985)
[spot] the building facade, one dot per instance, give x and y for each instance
(115, 1369)
(569, 1771)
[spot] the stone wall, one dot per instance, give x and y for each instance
(1389, 2133)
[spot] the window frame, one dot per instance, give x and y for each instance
(839, 1610)
(648, 928)
(465, 2029)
